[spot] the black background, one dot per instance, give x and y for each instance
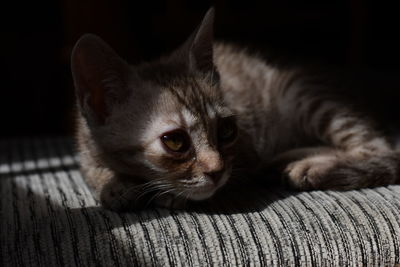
(36, 96)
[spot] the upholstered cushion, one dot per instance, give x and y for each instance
(50, 218)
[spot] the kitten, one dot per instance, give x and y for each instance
(174, 129)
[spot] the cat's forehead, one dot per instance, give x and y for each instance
(188, 110)
(182, 118)
(195, 97)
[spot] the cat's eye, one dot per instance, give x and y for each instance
(176, 141)
(227, 130)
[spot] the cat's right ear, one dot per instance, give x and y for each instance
(100, 77)
(196, 53)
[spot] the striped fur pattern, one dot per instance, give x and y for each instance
(286, 118)
(298, 123)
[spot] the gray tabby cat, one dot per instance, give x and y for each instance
(178, 128)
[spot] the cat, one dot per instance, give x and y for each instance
(178, 128)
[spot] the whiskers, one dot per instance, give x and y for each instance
(158, 195)
(143, 195)
(133, 194)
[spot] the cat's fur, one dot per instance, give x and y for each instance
(285, 117)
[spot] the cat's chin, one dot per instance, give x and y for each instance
(207, 191)
(202, 194)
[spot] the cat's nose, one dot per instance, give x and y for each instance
(210, 161)
(215, 176)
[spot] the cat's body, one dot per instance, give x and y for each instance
(280, 113)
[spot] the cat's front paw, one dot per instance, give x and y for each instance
(343, 173)
(309, 173)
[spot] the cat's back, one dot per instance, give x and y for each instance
(248, 80)
(252, 88)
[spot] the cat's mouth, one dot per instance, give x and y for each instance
(207, 188)
(201, 193)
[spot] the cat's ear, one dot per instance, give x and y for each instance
(100, 77)
(197, 51)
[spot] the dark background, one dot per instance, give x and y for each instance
(36, 96)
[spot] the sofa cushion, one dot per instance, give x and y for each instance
(49, 217)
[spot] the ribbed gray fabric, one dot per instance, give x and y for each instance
(50, 218)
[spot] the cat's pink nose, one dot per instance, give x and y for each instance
(215, 176)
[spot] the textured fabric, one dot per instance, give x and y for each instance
(50, 218)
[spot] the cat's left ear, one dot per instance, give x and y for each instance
(100, 78)
(197, 51)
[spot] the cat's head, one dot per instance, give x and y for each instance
(161, 121)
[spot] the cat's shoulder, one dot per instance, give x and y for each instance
(232, 59)
(224, 51)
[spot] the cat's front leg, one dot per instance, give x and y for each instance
(336, 170)
(359, 157)
(301, 168)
